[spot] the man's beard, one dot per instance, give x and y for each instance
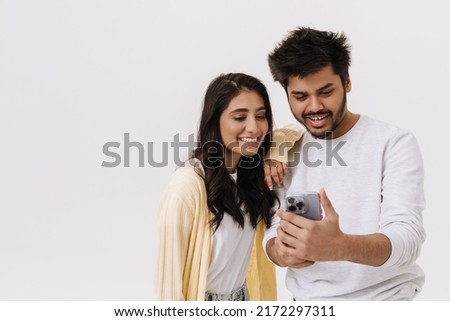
(336, 122)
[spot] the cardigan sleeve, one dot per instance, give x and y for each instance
(175, 222)
(261, 277)
(283, 139)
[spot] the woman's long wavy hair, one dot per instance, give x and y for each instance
(249, 193)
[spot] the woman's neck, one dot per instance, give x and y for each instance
(231, 162)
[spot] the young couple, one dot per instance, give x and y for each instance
(219, 232)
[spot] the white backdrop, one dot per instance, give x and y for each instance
(75, 75)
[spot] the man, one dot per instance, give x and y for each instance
(371, 232)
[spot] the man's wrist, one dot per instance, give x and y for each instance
(272, 253)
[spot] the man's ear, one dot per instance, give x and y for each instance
(348, 85)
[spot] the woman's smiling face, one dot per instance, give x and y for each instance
(243, 125)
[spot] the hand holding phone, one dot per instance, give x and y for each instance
(306, 205)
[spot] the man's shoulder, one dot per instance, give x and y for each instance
(381, 128)
(381, 135)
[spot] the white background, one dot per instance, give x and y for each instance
(77, 74)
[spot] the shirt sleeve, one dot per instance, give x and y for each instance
(403, 199)
(283, 140)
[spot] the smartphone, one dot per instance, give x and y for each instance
(306, 205)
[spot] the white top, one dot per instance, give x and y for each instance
(231, 251)
(374, 178)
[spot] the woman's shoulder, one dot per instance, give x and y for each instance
(185, 189)
(188, 178)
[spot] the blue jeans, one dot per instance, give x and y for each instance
(240, 294)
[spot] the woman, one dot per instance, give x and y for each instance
(214, 210)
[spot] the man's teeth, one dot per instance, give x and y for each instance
(317, 117)
(249, 140)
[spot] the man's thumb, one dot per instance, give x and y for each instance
(326, 204)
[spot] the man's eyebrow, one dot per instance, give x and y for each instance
(299, 92)
(324, 87)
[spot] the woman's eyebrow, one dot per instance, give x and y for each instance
(243, 109)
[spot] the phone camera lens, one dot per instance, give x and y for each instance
(299, 204)
(292, 208)
(290, 200)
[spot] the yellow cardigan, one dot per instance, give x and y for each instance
(185, 243)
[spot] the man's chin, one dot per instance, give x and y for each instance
(320, 133)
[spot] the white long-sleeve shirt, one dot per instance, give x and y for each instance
(373, 176)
